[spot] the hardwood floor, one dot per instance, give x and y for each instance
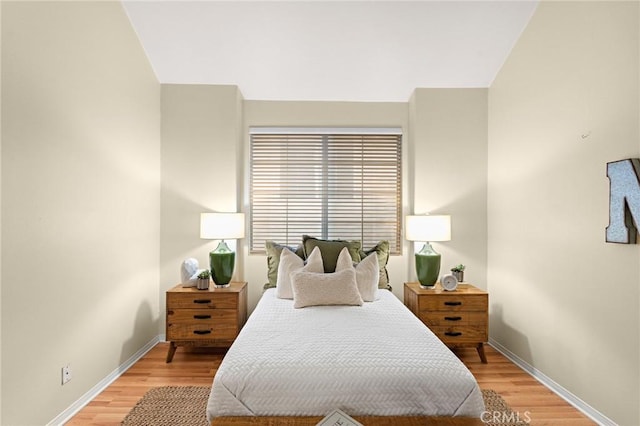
(524, 394)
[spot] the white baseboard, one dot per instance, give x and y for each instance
(563, 393)
(66, 415)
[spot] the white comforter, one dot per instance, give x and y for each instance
(375, 359)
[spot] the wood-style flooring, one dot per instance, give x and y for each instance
(523, 393)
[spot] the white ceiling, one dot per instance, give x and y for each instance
(329, 50)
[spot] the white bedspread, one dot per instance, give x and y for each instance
(375, 359)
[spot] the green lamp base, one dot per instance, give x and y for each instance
(222, 261)
(427, 266)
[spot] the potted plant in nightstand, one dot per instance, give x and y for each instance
(203, 280)
(458, 272)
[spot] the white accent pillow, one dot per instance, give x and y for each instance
(367, 273)
(344, 260)
(336, 288)
(291, 262)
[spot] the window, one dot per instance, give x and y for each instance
(327, 183)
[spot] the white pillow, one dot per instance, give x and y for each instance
(336, 288)
(367, 273)
(290, 262)
(344, 260)
(367, 276)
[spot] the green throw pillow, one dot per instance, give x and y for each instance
(382, 251)
(330, 250)
(274, 250)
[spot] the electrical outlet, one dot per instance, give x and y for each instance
(66, 374)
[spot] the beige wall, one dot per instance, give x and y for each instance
(80, 201)
(564, 104)
(201, 171)
(449, 173)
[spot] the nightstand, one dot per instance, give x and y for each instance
(458, 318)
(210, 317)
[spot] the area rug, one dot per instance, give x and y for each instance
(171, 406)
(186, 406)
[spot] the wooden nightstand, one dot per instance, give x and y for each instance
(211, 317)
(458, 318)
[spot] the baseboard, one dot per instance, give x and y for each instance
(563, 393)
(66, 415)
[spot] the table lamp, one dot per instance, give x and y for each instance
(426, 229)
(222, 226)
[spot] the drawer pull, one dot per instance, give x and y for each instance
(453, 303)
(452, 318)
(201, 316)
(202, 301)
(453, 333)
(201, 331)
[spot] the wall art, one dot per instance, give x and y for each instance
(624, 201)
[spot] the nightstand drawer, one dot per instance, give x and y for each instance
(453, 318)
(206, 300)
(462, 334)
(454, 302)
(202, 315)
(202, 324)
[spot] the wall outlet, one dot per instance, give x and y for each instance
(66, 374)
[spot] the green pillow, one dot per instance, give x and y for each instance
(274, 250)
(382, 251)
(330, 250)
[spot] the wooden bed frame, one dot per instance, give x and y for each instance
(365, 420)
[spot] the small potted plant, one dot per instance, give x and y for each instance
(203, 280)
(458, 272)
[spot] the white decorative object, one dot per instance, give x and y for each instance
(189, 272)
(449, 282)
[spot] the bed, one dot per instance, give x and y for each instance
(377, 359)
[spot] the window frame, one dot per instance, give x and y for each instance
(329, 135)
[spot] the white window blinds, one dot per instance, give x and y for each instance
(327, 183)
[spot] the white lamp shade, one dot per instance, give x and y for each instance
(428, 228)
(221, 226)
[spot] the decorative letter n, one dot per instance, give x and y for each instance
(624, 201)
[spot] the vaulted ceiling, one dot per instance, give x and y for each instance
(329, 50)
